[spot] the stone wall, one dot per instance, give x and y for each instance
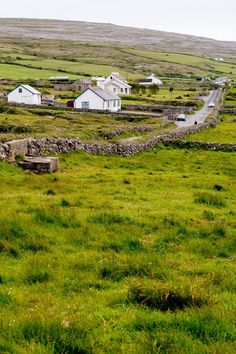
(36, 147)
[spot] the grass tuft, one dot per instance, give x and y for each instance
(164, 298)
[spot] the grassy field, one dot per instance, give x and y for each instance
(46, 58)
(18, 123)
(202, 65)
(225, 132)
(115, 254)
(119, 255)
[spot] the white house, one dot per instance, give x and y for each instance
(115, 83)
(98, 99)
(24, 94)
(150, 80)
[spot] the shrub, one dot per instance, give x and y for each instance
(218, 188)
(50, 192)
(65, 203)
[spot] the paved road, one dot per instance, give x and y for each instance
(201, 115)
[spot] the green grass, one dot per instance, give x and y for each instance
(198, 64)
(225, 132)
(119, 255)
(17, 123)
(15, 72)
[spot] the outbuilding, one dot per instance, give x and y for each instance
(150, 80)
(24, 94)
(95, 98)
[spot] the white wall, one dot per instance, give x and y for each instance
(24, 97)
(111, 86)
(96, 102)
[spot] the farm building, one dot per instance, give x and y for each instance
(151, 80)
(115, 83)
(24, 94)
(98, 99)
(56, 79)
(77, 85)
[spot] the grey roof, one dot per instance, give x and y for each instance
(104, 94)
(30, 89)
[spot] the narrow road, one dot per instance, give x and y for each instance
(200, 116)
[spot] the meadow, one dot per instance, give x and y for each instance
(225, 132)
(119, 255)
(19, 123)
(40, 59)
(116, 254)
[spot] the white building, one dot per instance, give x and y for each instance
(219, 59)
(221, 81)
(24, 94)
(150, 80)
(98, 99)
(115, 83)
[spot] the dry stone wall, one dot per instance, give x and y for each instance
(37, 147)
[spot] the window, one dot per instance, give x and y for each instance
(126, 90)
(114, 89)
(114, 103)
(20, 90)
(85, 105)
(122, 90)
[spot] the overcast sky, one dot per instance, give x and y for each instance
(212, 18)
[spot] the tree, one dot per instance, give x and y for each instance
(154, 88)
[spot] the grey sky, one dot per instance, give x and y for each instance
(212, 18)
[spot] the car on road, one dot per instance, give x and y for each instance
(181, 118)
(211, 105)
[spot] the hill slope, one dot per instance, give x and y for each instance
(97, 32)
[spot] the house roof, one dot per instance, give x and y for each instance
(117, 75)
(28, 88)
(118, 82)
(59, 78)
(104, 94)
(146, 80)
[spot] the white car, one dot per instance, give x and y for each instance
(181, 117)
(211, 105)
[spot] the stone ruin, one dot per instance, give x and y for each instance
(40, 164)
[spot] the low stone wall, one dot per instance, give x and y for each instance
(36, 147)
(200, 145)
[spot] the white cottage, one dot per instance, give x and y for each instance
(24, 94)
(116, 84)
(150, 80)
(98, 99)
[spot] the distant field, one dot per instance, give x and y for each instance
(77, 68)
(225, 132)
(15, 72)
(85, 60)
(203, 65)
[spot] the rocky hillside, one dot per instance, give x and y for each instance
(120, 35)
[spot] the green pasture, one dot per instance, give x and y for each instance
(119, 255)
(203, 64)
(15, 72)
(18, 123)
(225, 132)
